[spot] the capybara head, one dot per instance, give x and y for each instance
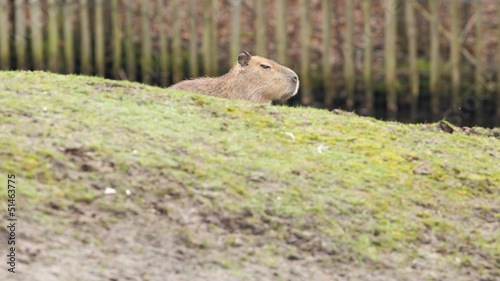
(266, 78)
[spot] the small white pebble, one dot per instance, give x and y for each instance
(44, 108)
(290, 135)
(321, 148)
(109, 190)
(128, 192)
(153, 211)
(458, 260)
(134, 152)
(278, 198)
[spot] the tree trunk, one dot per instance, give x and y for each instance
(207, 45)
(53, 37)
(305, 46)
(20, 31)
(326, 6)
(36, 35)
(4, 36)
(214, 39)
(99, 38)
(176, 43)
(86, 51)
(235, 31)
(69, 52)
(368, 57)
(146, 56)
(349, 73)
(281, 32)
(435, 59)
(129, 43)
(498, 72)
(193, 42)
(260, 34)
(390, 59)
(479, 70)
(455, 52)
(117, 39)
(411, 33)
(162, 37)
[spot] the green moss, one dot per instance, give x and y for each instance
(346, 181)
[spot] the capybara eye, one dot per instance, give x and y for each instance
(265, 66)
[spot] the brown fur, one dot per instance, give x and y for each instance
(248, 80)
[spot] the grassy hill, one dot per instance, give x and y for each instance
(213, 189)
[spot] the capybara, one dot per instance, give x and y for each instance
(251, 78)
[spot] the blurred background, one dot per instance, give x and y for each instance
(405, 60)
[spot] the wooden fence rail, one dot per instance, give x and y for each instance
(162, 42)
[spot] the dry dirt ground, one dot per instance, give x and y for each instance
(151, 246)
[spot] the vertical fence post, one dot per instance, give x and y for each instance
(86, 49)
(53, 36)
(193, 42)
(36, 35)
(390, 59)
(207, 46)
(164, 69)
(260, 33)
(411, 34)
(305, 46)
(210, 56)
(20, 40)
(117, 39)
(368, 56)
(213, 38)
(479, 69)
(326, 5)
(69, 55)
(498, 70)
(51, 47)
(435, 59)
(176, 43)
(129, 43)
(99, 38)
(4, 36)
(455, 52)
(146, 57)
(235, 39)
(281, 32)
(349, 74)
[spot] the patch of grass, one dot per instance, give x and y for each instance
(342, 186)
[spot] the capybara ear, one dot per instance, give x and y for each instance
(244, 58)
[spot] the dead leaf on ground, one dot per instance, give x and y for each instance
(342, 112)
(421, 170)
(445, 127)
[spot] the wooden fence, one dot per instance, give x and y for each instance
(162, 42)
